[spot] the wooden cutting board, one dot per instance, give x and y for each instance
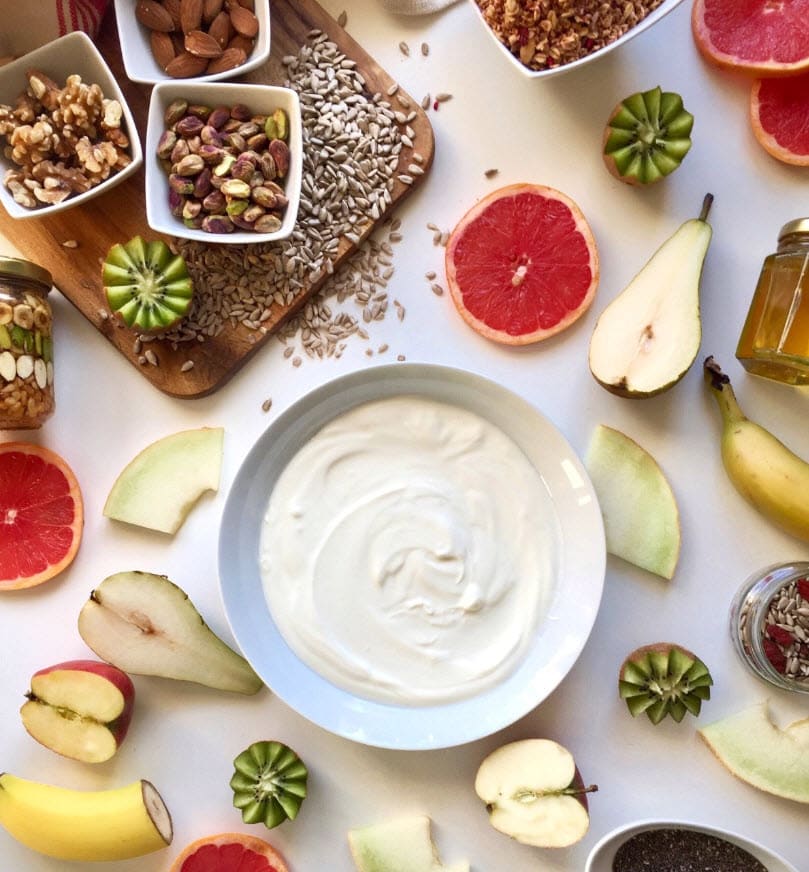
(121, 214)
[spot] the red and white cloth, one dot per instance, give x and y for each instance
(28, 24)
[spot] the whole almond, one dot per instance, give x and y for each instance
(162, 48)
(243, 43)
(152, 15)
(202, 44)
(210, 9)
(228, 60)
(190, 15)
(243, 20)
(186, 65)
(220, 29)
(173, 9)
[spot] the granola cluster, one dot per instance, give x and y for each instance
(63, 141)
(549, 33)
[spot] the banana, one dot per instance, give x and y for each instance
(85, 825)
(764, 471)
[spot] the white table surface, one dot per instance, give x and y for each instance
(183, 737)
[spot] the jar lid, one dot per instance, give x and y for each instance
(24, 269)
(799, 225)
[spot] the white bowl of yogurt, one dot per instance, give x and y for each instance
(412, 557)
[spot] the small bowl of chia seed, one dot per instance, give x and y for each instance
(681, 846)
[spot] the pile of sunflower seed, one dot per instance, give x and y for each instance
(351, 146)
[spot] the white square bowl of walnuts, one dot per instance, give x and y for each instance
(224, 161)
(200, 40)
(66, 132)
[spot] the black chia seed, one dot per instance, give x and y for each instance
(682, 850)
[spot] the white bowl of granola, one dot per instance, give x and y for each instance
(67, 127)
(540, 42)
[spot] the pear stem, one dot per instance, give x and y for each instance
(706, 207)
(723, 392)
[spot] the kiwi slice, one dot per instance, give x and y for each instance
(664, 679)
(146, 285)
(647, 137)
(269, 784)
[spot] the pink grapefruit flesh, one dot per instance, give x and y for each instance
(229, 852)
(41, 515)
(761, 37)
(779, 113)
(522, 264)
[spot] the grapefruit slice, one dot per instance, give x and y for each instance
(41, 515)
(229, 852)
(763, 37)
(522, 264)
(779, 113)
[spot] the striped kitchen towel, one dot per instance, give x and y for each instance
(28, 24)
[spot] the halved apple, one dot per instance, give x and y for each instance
(158, 488)
(80, 709)
(534, 793)
(755, 750)
(400, 845)
(641, 518)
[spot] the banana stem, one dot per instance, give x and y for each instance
(706, 207)
(722, 391)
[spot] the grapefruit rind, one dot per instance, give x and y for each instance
(744, 60)
(581, 228)
(72, 490)
(795, 112)
(248, 843)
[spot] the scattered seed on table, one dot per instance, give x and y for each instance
(396, 224)
(395, 237)
(444, 238)
(382, 348)
(266, 405)
(442, 98)
(436, 237)
(296, 361)
(430, 275)
(431, 226)
(289, 351)
(151, 357)
(425, 101)
(369, 352)
(436, 289)
(342, 18)
(425, 49)
(490, 174)
(404, 48)
(400, 357)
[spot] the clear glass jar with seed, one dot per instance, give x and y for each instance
(769, 625)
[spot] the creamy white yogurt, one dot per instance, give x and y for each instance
(408, 552)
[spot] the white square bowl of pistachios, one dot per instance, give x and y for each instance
(223, 161)
(66, 126)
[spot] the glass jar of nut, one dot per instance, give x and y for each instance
(26, 345)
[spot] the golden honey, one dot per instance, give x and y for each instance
(774, 342)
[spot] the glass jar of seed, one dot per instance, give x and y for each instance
(769, 624)
(26, 345)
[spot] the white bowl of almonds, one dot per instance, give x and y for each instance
(203, 40)
(544, 39)
(66, 132)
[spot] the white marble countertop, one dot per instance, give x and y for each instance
(183, 738)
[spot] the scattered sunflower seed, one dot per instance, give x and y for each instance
(404, 48)
(296, 361)
(425, 101)
(342, 20)
(151, 357)
(266, 405)
(436, 289)
(430, 275)
(490, 174)
(187, 365)
(392, 89)
(425, 49)
(400, 357)
(70, 243)
(442, 98)
(382, 348)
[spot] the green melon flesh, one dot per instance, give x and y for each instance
(157, 489)
(400, 845)
(754, 749)
(641, 519)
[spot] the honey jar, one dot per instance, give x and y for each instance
(774, 342)
(26, 345)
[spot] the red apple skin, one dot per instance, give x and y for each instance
(117, 677)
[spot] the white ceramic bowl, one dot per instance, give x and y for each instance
(603, 853)
(139, 61)
(653, 17)
(74, 53)
(260, 99)
(560, 636)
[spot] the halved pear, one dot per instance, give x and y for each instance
(647, 338)
(755, 750)
(403, 844)
(158, 488)
(641, 518)
(146, 625)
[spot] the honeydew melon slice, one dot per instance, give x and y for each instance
(400, 845)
